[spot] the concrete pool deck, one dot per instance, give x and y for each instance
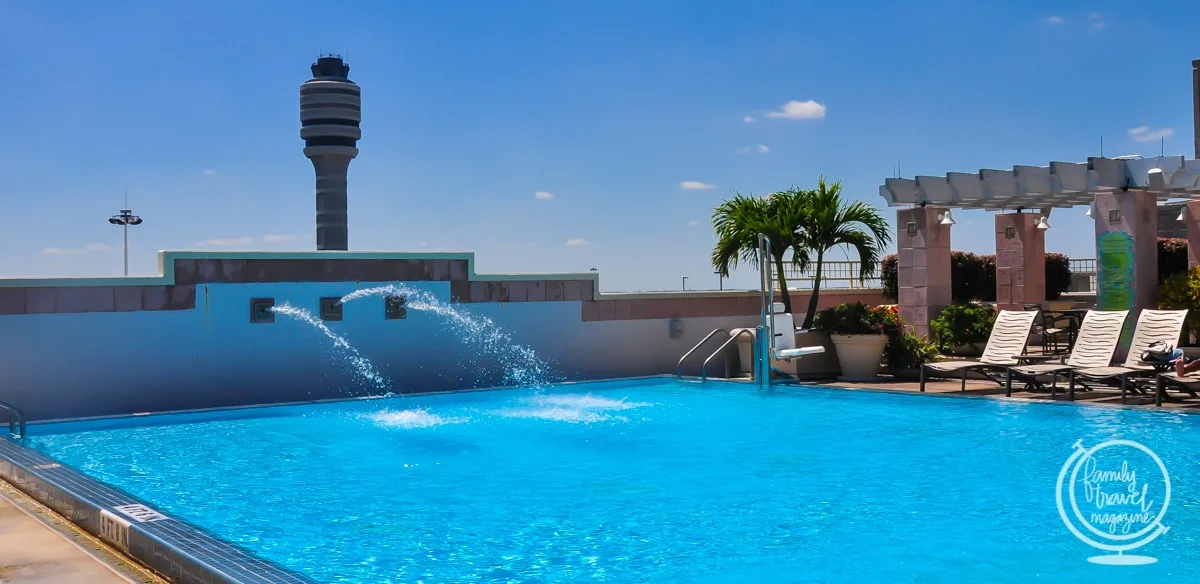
(38, 546)
(952, 386)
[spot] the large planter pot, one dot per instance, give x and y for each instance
(859, 355)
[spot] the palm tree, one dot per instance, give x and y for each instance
(738, 221)
(826, 221)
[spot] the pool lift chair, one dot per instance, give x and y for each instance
(776, 332)
(774, 338)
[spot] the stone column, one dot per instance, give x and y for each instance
(1020, 261)
(923, 267)
(1191, 217)
(1126, 252)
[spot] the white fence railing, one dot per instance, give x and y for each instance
(844, 274)
(834, 274)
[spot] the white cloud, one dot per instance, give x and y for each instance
(799, 110)
(1055, 20)
(231, 242)
(89, 248)
(543, 196)
(1145, 134)
(209, 172)
(695, 185)
(748, 120)
(1099, 25)
(577, 242)
(763, 149)
(278, 238)
(693, 223)
(1094, 15)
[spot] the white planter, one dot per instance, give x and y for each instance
(859, 355)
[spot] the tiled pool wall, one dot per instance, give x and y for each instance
(183, 340)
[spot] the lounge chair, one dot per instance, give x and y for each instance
(1094, 347)
(1163, 381)
(1152, 326)
(1009, 336)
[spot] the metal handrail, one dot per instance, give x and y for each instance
(679, 367)
(15, 419)
(721, 349)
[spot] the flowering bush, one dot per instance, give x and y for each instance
(1172, 257)
(855, 318)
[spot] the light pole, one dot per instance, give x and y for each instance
(125, 218)
(685, 278)
(720, 281)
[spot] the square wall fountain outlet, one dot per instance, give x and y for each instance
(394, 308)
(261, 310)
(675, 328)
(331, 308)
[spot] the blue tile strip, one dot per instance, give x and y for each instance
(175, 549)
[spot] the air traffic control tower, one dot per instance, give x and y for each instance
(330, 112)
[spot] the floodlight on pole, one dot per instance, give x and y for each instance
(125, 218)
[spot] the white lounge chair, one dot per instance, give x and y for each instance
(1010, 335)
(1152, 326)
(1094, 347)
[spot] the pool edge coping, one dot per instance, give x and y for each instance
(145, 542)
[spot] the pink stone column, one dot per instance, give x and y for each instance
(1191, 216)
(1126, 252)
(923, 267)
(1020, 261)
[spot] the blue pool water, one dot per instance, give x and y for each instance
(647, 481)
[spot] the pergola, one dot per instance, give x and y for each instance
(1122, 192)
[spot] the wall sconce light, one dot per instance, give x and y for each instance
(675, 328)
(1182, 214)
(911, 228)
(1091, 210)
(1042, 223)
(945, 218)
(1114, 216)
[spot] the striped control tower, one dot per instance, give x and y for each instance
(330, 111)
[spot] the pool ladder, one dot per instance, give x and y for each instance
(16, 420)
(720, 350)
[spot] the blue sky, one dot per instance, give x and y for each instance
(471, 108)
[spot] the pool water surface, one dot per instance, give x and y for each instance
(643, 481)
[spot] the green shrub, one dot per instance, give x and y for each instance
(1181, 291)
(973, 276)
(852, 318)
(962, 324)
(906, 350)
(1058, 275)
(888, 278)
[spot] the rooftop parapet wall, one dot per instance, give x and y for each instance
(181, 272)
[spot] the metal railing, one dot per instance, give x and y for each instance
(834, 274)
(720, 350)
(1083, 275)
(844, 274)
(679, 366)
(16, 420)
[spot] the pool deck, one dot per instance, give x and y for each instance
(38, 546)
(952, 386)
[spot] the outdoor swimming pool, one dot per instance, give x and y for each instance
(642, 481)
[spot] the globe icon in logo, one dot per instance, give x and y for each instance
(1113, 497)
